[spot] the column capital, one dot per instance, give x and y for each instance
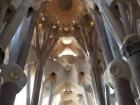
(117, 69)
(13, 73)
(131, 45)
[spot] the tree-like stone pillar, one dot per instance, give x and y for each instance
(118, 74)
(105, 45)
(131, 50)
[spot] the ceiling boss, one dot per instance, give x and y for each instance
(65, 11)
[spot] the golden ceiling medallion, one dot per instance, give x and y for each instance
(65, 11)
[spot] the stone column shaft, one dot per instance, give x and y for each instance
(3, 8)
(124, 17)
(11, 28)
(131, 49)
(114, 25)
(24, 48)
(119, 76)
(13, 81)
(8, 94)
(28, 88)
(51, 94)
(123, 92)
(37, 85)
(18, 39)
(102, 36)
(134, 62)
(104, 43)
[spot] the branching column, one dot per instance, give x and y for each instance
(96, 77)
(125, 36)
(107, 53)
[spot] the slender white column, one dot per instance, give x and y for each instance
(51, 94)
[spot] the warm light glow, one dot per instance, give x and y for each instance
(67, 51)
(43, 18)
(60, 28)
(91, 23)
(54, 59)
(41, 14)
(40, 25)
(67, 40)
(66, 28)
(72, 28)
(51, 36)
(54, 26)
(74, 22)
